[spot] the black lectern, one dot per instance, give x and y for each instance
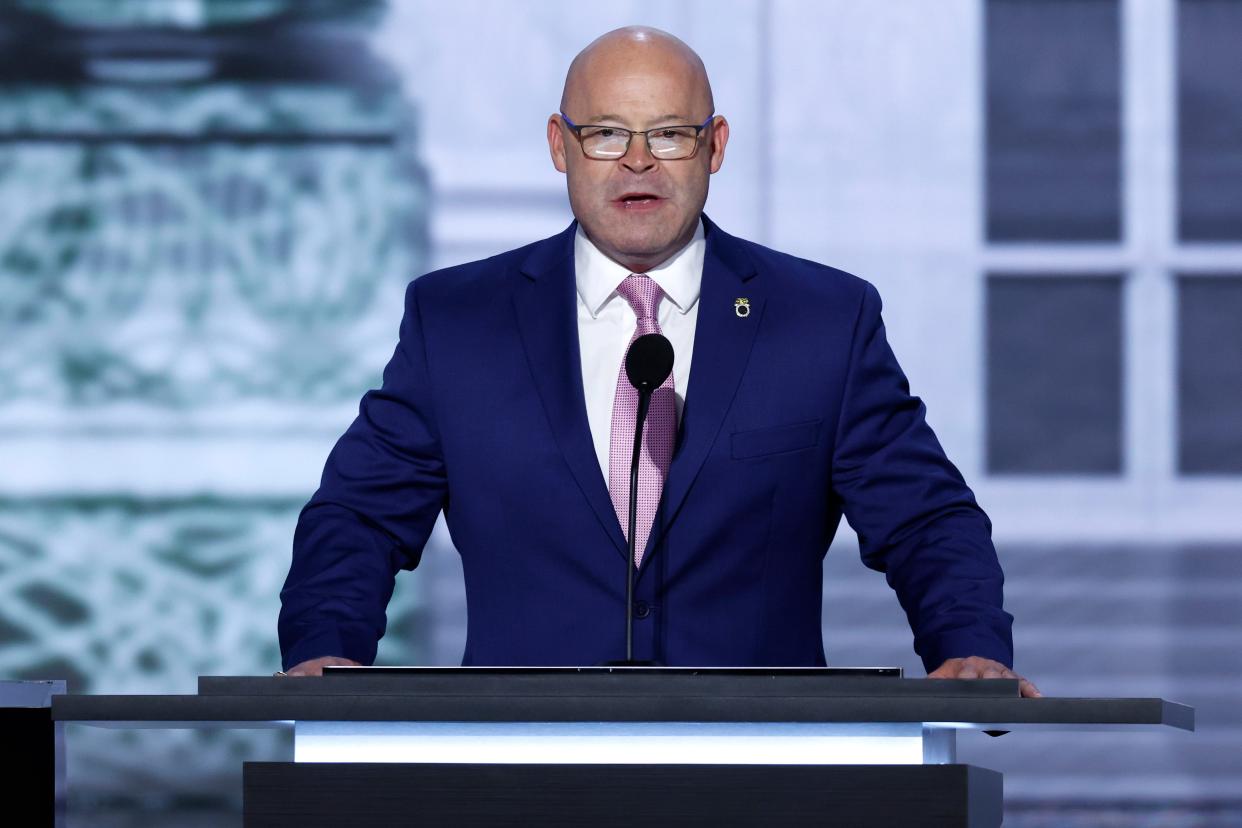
(616, 746)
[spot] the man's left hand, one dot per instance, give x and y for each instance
(976, 667)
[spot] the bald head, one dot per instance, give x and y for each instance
(631, 51)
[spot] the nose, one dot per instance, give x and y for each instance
(638, 157)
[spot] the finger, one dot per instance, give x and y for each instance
(996, 673)
(987, 668)
(1028, 690)
(948, 669)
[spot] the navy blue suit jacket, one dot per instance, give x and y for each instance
(795, 414)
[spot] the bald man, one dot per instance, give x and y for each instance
(506, 407)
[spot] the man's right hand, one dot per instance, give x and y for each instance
(314, 667)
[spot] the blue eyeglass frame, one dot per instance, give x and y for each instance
(646, 133)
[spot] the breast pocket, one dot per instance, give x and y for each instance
(782, 439)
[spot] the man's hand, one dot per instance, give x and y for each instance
(314, 667)
(976, 667)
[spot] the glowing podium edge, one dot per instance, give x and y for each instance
(749, 743)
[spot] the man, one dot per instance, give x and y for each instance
(505, 405)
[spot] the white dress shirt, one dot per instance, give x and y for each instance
(606, 322)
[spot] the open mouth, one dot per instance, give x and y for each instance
(631, 201)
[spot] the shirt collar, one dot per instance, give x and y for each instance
(679, 276)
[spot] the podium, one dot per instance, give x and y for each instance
(619, 745)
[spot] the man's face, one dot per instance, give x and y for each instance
(638, 209)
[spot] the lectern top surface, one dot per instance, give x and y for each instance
(413, 670)
(288, 700)
(580, 684)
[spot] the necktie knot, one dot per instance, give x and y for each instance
(642, 293)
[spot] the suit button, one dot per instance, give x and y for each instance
(641, 609)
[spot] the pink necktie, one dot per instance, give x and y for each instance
(659, 429)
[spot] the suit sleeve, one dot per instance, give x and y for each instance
(916, 520)
(383, 487)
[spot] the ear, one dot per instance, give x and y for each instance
(556, 142)
(720, 137)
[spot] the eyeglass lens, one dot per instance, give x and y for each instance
(613, 142)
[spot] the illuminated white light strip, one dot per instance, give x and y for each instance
(726, 743)
(955, 726)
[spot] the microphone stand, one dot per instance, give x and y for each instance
(648, 362)
(644, 402)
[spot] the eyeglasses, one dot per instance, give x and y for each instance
(667, 143)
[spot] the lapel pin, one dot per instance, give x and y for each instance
(741, 306)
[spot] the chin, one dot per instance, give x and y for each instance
(640, 240)
(642, 248)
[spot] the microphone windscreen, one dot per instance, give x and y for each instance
(649, 361)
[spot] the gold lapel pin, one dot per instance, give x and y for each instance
(741, 306)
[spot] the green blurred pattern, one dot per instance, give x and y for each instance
(240, 251)
(202, 235)
(195, 13)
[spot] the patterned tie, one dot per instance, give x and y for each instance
(659, 429)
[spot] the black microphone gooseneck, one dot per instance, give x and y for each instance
(647, 364)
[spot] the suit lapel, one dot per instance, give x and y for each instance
(722, 345)
(545, 304)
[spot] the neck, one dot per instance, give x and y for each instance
(642, 263)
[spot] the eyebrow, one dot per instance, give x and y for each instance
(670, 117)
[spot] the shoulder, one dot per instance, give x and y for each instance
(803, 280)
(484, 279)
(468, 278)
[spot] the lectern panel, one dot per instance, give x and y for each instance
(314, 795)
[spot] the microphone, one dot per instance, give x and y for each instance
(647, 364)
